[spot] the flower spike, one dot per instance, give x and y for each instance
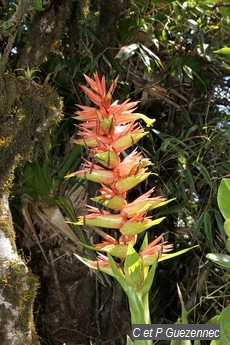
(108, 128)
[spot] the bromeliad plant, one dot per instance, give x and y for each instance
(107, 130)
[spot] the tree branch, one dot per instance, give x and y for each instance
(9, 30)
(219, 4)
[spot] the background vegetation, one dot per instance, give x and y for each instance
(168, 55)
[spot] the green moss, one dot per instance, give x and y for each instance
(8, 92)
(19, 288)
(28, 111)
(6, 223)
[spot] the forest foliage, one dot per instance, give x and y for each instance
(172, 56)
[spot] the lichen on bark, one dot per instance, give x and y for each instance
(27, 111)
(18, 287)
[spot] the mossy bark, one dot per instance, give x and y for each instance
(18, 287)
(47, 28)
(27, 110)
(108, 26)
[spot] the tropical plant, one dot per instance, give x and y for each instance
(223, 260)
(223, 199)
(108, 130)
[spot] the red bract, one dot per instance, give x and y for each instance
(100, 97)
(156, 247)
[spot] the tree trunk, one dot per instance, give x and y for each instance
(27, 110)
(108, 25)
(18, 287)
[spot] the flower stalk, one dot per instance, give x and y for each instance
(107, 129)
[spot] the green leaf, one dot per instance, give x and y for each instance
(129, 341)
(223, 321)
(214, 320)
(223, 197)
(219, 221)
(227, 227)
(192, 129)
(223, 51)
(193, 24)
(225, 65)
(208, 228)
(144, 243)
(219, 259)
(68, 162)
(106, 60)
(154, 56)
(38, 180)
(173, 255)
(188, 71)
(127, 51)
(117, 274)
(160, 204)
(187, 118)
(225, 326)
(180, 342)
(151, 54)
(38, 4)
(149, 279)
(135, 303)
(171, 209)
(145, 58)
(228, 245)
(204, 172)
(132, 268)
(88, 263)
(183, 320)
(189, 179)
(215, 342)
(202, 82)
(136, 306)
(6, 25)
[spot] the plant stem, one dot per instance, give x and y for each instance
(139, 309)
